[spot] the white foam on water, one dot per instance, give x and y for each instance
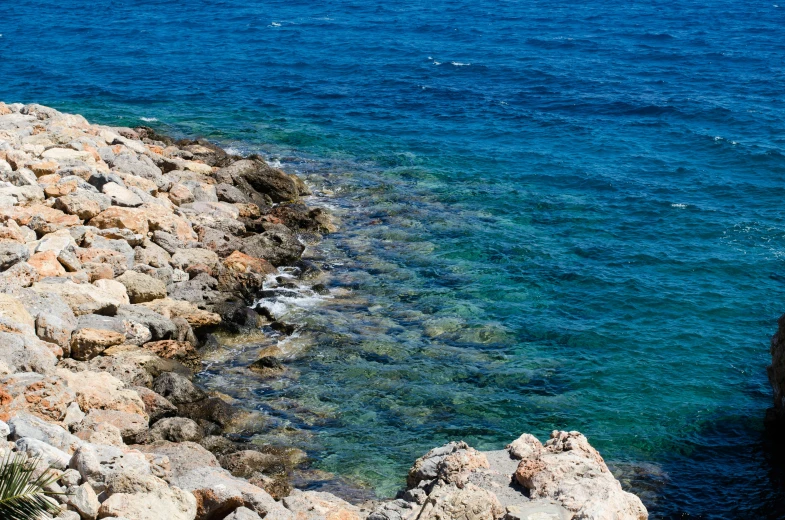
(232, 151)
(149, 119)
(459, 64)
(274, 24)
(677, 205)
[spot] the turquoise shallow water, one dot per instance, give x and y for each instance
(553, 216)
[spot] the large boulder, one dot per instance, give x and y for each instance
(141, 287)
(145, 497)
(570, 471)
(278, 246)
(47, 397)
(98, 463)
(98, 298)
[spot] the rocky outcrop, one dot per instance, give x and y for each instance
(121, 251)
(563, 479)
(115, 251)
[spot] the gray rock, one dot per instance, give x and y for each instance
(228, 193)
(156, 405)
(167, 241)
(96, 321)
(159, 326)
(70, 478)
(69, 261)
(11, 253)
(5, 431)
(279, 247)
(176, 429)
(141, 166)
(26, 354)
(99, 180)
(177, 389)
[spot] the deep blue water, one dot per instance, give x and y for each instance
(554, 215)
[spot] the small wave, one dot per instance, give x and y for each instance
(274, 24)
(677, 205)
(459, 64)
(233, 151)
(148, 119)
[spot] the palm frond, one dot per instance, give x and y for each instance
(23, 496)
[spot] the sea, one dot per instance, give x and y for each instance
(552, 215)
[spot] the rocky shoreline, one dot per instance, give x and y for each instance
(122, 253)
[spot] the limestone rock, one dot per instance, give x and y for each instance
(141, 287)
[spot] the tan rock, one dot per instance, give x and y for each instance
(87, 343)
(44, 168)
(102, 391)
(161, 219)
(134, 219)
(12, 309)
(114, 259)
(241, 263)
(96, 271)
(60, 189)
(195, 317)
(180, 194)
(82, 207)
(46, 397)
(467, 503)
(138, 497)
(85, 298)
(46, 264)
(141, 287)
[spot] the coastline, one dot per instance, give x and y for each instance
(123, 254)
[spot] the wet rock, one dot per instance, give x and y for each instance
(301, 218)
(278, 246)
(267, 366)
(245, 463)
(177, 389)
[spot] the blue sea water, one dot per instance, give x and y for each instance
(553, 215)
